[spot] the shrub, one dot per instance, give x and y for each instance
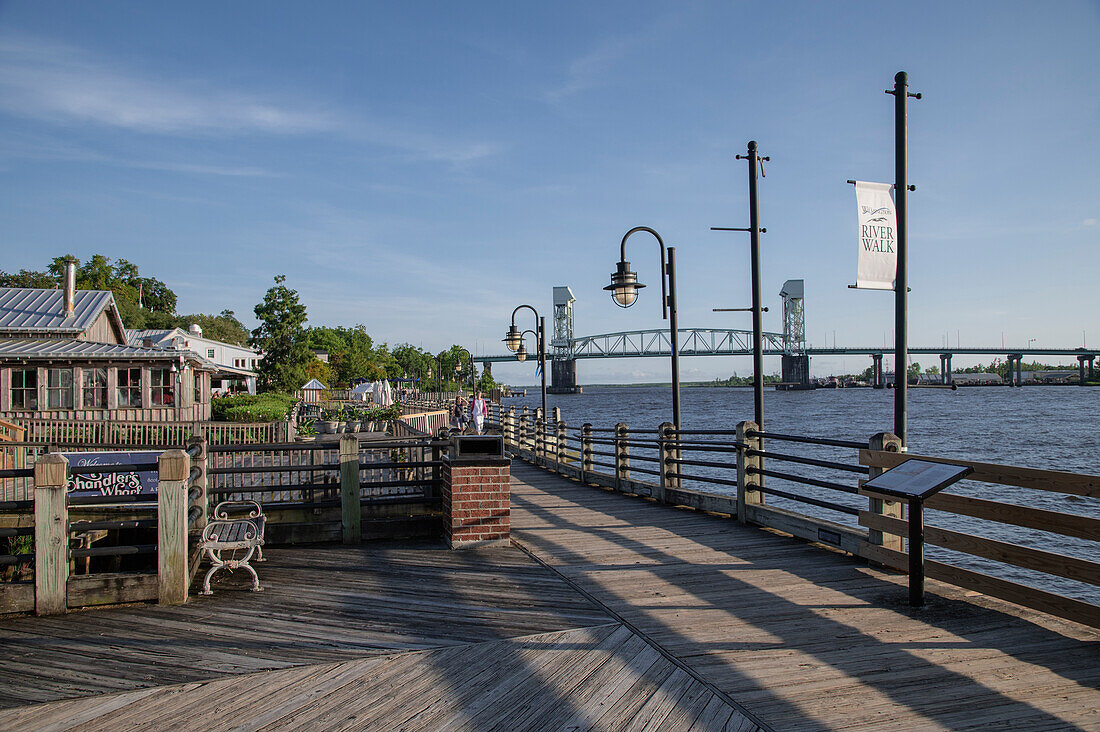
(267, 407)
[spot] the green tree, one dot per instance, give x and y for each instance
(281, 337)
(223, 327)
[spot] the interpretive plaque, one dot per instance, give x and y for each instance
(917, 479)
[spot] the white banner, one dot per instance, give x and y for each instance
(878, 236)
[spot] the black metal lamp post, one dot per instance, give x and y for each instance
(624, 291)
(513, 339)
(459, 366)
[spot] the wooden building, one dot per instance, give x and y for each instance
(64, 355)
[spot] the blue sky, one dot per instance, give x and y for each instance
(422, 168)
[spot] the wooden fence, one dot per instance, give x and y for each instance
(102, 551)
(676, 468)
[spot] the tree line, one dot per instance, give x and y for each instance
(291, 352)
(290, 348)
(144, 303)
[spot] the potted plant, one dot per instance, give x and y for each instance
(341, 418)
(354, 421)
(307, 431)
(327, 425)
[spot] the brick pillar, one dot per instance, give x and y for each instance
(476, 501)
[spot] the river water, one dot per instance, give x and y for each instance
(1048, 427)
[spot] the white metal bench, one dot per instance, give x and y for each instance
(230, 540)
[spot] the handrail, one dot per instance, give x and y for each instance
(878, 526)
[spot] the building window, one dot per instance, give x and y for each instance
(59, 388)
(24, 389)
(161, 388)
(198, 387)
(95, 388)
(129, 388)
(253, 364)
(210, 353)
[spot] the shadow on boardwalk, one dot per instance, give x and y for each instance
(382, 636)
(804, 637)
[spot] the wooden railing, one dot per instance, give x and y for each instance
(66, 432)
(342, 490)
(147, 558)
(811, 488)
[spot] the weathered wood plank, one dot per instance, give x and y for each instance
(1061, 565)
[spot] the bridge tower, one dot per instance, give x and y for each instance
(796, 364)
(563, 367)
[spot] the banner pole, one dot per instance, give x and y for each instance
(901, 285)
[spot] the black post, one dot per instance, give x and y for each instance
(542, 360)
(673, 336)
(901, 284)
(757, 323)
(916, 553)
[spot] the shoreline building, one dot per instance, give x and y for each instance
(65, 355)
(234, 366)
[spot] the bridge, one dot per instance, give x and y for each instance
(566, 349)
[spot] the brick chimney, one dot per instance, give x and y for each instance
(70, 286)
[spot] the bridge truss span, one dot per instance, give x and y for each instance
(693, 342)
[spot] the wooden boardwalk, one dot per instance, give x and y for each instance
(803, 637)
(382, 636)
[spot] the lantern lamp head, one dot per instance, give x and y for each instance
(513, 340)
(521, 354)
(624, 285)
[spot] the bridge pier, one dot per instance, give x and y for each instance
(563, 376)
(945, 368)
(876, 371)
(1015, 370)
(1081, 368)
(795, 371)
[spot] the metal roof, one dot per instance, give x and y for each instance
(37, 349)
(26, 310)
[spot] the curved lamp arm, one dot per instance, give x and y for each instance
(520, 307)
(664, 272)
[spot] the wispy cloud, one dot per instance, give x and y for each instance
(52, 81)
(35, 147)
(591, 70)
(62, 84)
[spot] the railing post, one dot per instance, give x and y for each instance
(352, 512)
(622, 455)
(888, 442)
(747, 480)
(553, 445)
(586, 451)
(561, 450)
(174, 466)
(510, 426)
(51, 534)
(540, 436)
(201, 481)
(523, 422)
(666, 450)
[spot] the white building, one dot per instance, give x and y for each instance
(236, 365)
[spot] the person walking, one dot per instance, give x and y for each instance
(459, 418)
(478, 410)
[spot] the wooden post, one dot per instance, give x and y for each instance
(510, 426)
(665, 450)
(51, 535)
(586, 451)
(523, 421)
(746, 481)
(540, 436)
(352, 512)
(888, 442)
(562, 449)
(552, 435)
(622, 455)
(201, 482)
(172, 575)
